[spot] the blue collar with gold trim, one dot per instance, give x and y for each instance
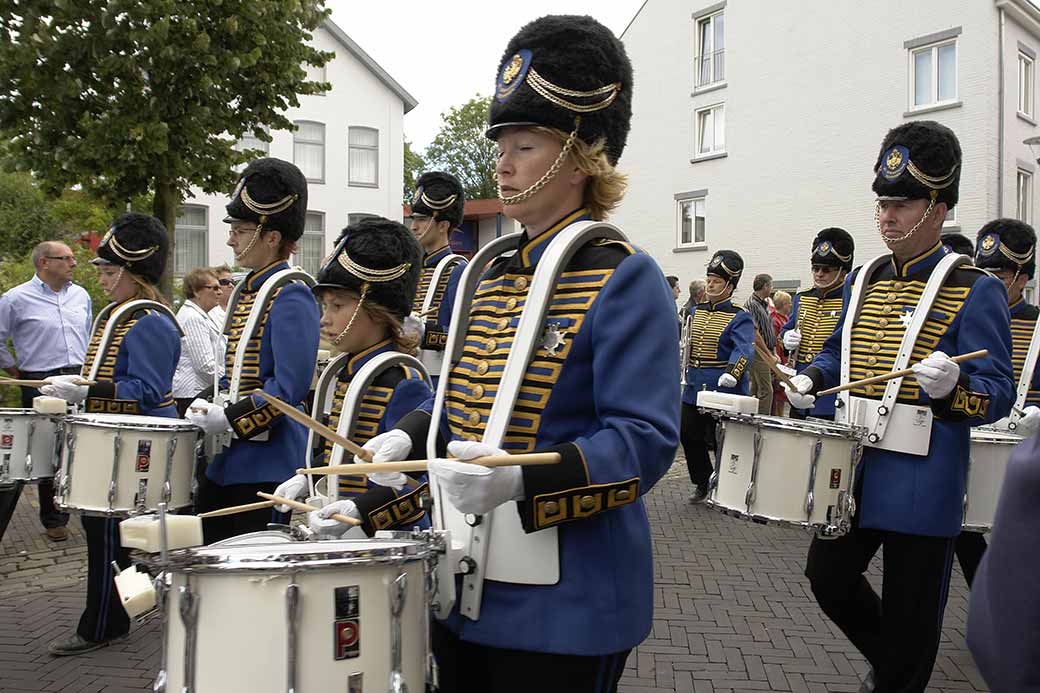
(1017, 307)
(920, 263)
(708, 305)
(256, 278)
(436, 256)
(361, 358)
(531, 249)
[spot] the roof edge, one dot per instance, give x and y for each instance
(382, 75)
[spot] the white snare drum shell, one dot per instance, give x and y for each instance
(28, 445)
(990, 450)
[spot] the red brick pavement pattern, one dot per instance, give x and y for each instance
(733, 614)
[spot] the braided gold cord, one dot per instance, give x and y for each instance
(369, 274)
(543, 87)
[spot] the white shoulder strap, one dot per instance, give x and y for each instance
(438, 272)
(118, 317)
(1028, 368)
(256, 314)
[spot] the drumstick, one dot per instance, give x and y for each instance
(41, 383)
(897, 374)
(238, 509)
(768, 358)
(278, 500)
(421, 465)
(316, 426)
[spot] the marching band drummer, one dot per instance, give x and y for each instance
(722, 344)
(437, 209)
(600, 389)
(958, 243)
(815, 311)
(266, 214)
(909, 501)
(143, 354)
(366, 289)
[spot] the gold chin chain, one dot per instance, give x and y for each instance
(357, 309)
(252, 242)
(877, 220)
(548, 175)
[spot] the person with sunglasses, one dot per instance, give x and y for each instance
(815, 311)
(48, 320)
(227, 284)
(202, 347)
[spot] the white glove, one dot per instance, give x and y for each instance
(1029, 423)
(207, 416)
(799, 399)
(321, 520)
(786, 370)
(792, 338)
(727, 380)
(392, 446)
(64, 386)
(293, 489)
(937, 374)
(472, 488)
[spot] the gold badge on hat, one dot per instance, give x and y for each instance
(512, 69)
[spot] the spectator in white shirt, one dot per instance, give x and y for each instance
(202, 346)
(227, 283)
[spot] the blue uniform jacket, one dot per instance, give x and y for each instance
(393, 393)
(280, 362)
(815, 314)
(722, 341)
(1023, 320)
(439, 320)
(1005, 603)
(916, 494)
(136, 373)
(603, 392)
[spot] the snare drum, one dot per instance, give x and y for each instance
(124, 464)
(990, 450)
(786, 471)
(304, 616)
(29, 445)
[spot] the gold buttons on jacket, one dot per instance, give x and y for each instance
(886, 309)
(891, 296)
(872, 361)
(511, 303)
(869, 374)
(474, 418)
(879, 334)
(883, 323)
(520, 283)
(503, 323)
(477, 391)
(482, 367)
(875, 348)
(587, 502)
(899, 286)
(551, 508)
(623, 495)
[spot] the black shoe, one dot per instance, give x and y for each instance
(77, 645)
(698, 495)
(868, 683)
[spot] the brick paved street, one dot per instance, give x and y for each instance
(733, 613)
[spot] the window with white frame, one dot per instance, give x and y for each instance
(191, 230)
(310, 249)
(1025, 84)
(251, 140)
(933, 74)
(309, 150)
(710, 126)
(1024, 196)
(690, 217)
(711, 49)
(363, 157)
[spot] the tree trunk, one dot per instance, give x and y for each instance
(164, 207)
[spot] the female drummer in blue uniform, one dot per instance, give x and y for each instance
(366, 289)
(600, 389)
(130, 261)
(722, 344)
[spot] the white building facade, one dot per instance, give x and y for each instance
(756, 124)
(349, 143)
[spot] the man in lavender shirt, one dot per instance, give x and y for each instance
(48, 320)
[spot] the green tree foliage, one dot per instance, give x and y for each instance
(127, 97)
(25, 216)
(461, 149)
(413, 168)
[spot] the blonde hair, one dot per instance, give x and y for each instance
(404, 342)
(606, 185)
(148, 290)
(782, 298)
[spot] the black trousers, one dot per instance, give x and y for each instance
(465, 667)
(899, 631)
(697, 433)
(212, 496)
(969, 548)
(50, 516)
(104, 617)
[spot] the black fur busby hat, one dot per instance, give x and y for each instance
(137, 242)
(379, 259)
(919, 160)
(1006, 244)
(272, 193)
(728, 265)
(439, 195)
(562, 68)
(833, 247)
(958, 243)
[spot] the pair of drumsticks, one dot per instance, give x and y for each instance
(4, 380)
